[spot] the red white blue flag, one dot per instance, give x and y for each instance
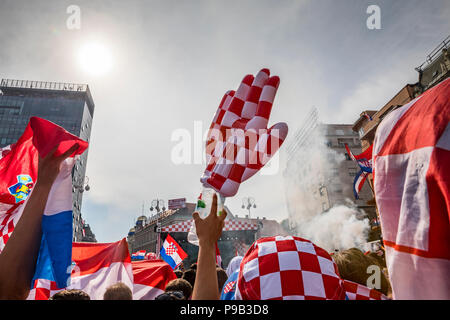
(364, 159)
(412, 190)
(18, 174)
(358, 183)
(139, 255)
(172, 253)
(150, 278)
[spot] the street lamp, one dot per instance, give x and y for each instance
(247, 203)
(158, 205)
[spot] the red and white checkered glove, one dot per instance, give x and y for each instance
(239, 143)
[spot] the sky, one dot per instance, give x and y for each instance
(172, 61)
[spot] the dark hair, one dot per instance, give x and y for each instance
(118, 291)
(178, 273)
(189, 275)
(71, 294)
(221, 278)
(194, 266)
(180, 285)
(171, 295)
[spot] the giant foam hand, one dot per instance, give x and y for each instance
(239, 143)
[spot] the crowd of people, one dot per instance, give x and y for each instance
(414, 206)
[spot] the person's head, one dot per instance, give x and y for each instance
(118, 291)
(379, 258)
(71, 294)
(178, 273)
(353, 266)
(194, 266)
(234, 265)
(221, 278)
(171, 295)
(180, 285)
(189, 276)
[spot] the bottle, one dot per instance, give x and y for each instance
(203, 207)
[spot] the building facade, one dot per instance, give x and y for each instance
(237, 235)
(319, 174)
(68, 105)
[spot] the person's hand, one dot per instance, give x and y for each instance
(49, 166)
(210, 228)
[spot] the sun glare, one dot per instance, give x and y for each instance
(95, 59)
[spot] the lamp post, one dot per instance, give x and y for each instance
(158, 205)
(248, 203)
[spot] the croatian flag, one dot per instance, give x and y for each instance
(364, 159)
(18, 174)
(367, 116)
(150, 278)
(96, 266)
(358, 183)
(172, 253)
(412, 190)
(139, 255)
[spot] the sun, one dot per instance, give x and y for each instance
(95, 59)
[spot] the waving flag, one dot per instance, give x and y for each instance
(172, 253)
(358, 183)
(367, 116)
(99, 265)
(18, 174)
(412, 190)
(150, 278)
(139, 255)
(364, 159)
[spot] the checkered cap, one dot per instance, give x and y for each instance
(288, 268)
(356, 291)
(43, 289)
(239, 143)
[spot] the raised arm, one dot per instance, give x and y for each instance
(208, 232)
(18, 258)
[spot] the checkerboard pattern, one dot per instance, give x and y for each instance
(288, 268)
(8, 221)
(239, 143)
(230, 225)
(171, 249)
(356, 291)
(43, 290)
(229, 286)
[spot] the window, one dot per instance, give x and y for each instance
(340, 132)
(352, 172)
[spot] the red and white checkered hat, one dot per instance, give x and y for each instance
(288, 268)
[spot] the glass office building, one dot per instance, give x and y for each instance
(68, 105)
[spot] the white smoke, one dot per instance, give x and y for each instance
(312, 175)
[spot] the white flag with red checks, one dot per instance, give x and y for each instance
(356, 291)
(411, 157)
(239, 143)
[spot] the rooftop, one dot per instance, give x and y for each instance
(16, 87)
